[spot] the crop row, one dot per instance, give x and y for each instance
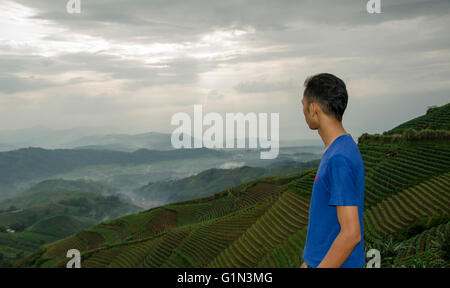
(404, 169)
(284, 218)
(422, 242)
(401, 210)
(206, 241)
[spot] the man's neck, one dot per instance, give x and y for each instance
(330, 131)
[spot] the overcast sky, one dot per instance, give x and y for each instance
(130, 65)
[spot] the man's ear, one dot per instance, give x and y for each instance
(313, 107)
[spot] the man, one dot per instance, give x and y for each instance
(335, 235)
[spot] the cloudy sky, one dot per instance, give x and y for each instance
(128, 66)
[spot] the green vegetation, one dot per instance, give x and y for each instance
(436, 118)
(51, 191)
(200, 185)
(31, 164)
(263, 222)
(51, 210)
(409, 136)
(210, 181)
(133, 176)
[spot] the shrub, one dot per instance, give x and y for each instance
(11, 208)
(389, 250)
(442, 245)
(409, 135)
(17, 227)
(77, 202)
(421, 225)
(431, 109)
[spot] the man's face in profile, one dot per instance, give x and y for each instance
(306, 113)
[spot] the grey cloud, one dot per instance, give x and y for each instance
(336, 36)
(178, 21)
(215, 95)
(10, 84)
(266, 86)
(178, 71)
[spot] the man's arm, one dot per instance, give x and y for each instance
(347, 239)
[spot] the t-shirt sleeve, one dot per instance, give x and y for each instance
(342, 183)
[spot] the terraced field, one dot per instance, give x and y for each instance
(387, 175)
(263, 223)
(396, 213)
(286, 216)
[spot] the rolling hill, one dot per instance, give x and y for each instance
(36, 164)
(436, 118)
(51, 210)
(263, 223)
(124, 142)
(210, 181)
(53, 191)
(200, 185)
(126, 171)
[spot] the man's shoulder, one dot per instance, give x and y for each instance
(350, 158)
(348, 150)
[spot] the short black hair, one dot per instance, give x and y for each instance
(329, 92)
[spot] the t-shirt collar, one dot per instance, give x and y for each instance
(348, 134)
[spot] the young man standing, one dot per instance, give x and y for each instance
(335, 235)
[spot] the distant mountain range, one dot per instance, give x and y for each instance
(40, 136)
(82, 137)
(124, 142)
(20, 166)
(94, 138)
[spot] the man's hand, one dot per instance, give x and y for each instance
(304, 265)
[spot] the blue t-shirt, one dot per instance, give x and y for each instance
(338, 182)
